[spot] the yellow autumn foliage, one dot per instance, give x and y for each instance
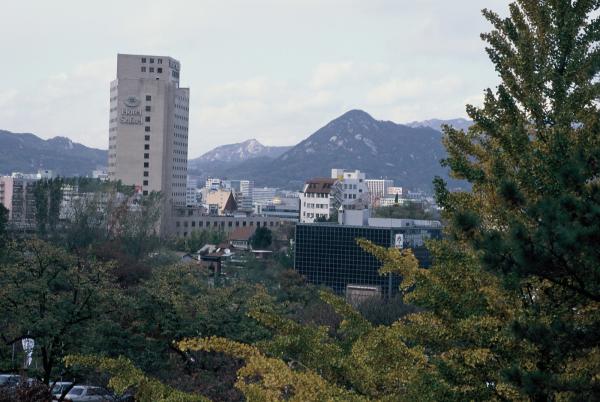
(124, 376)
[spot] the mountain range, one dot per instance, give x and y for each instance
(227, 156)
(436, 124)
(409, 154)
(27, 153)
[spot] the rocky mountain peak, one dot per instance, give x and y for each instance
(236, 153)
(252, 145)
(64, 142)
(436, 124)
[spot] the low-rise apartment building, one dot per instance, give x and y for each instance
(17, 195)
(378, 188)
(319, 197)
(354, 187)
(185, 221)
(287, 208)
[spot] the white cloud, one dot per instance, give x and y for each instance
(475, 100)
(73, 104)
(393, 90)
(268, 69)
(7, 98)
(251, 88)
(330, 74)
(335, 74)
(396, 89)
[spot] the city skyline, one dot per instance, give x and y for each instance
(294, 68)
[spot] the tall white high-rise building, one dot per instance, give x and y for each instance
(378, 188)
(192, 193)
(247, 192)
(148, 130)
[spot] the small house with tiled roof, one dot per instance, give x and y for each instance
(240, 237)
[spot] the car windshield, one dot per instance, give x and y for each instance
(58, 388)
(4, 379)
(76, 391)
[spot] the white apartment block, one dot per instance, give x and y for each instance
(100, 174)
(191, 193)
(355, 193)
(6, 193)
(17, 195)
(318, 199)
(389, 201)
(263, 195)
(394, 191)
(378, 188)
(213, 184)
(148, 127)
(247, 194)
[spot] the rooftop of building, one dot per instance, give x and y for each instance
(243, 233)
(384, 223)
(319, 185)
(147, 56)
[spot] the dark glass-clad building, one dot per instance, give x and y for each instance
(327, 254)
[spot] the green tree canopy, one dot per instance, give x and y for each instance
(262, 238)
(52, 296)
(48, 196)
(410, 210)
(3, 225)
(533, 157)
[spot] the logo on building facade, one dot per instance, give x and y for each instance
(399, 241)
(131, 113)
(132, 101)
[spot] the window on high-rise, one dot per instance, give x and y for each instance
(151, 60)
(159, 70)
(147, 118)
(146, 164)
(148, 97)
(148, 108)
(146, 156)
(147, 128)
(151, 69)
(147, 137)
(145, 182)
(143, 59)
(145, 174)
(143, 69)
(146, 146)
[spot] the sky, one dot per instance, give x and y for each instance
(274, 70)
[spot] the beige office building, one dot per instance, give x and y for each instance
(148, 130)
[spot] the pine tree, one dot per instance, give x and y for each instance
(533, 158)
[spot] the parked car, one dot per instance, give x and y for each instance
(58, 388)
(128, 396)
(9, 380)
(87, 393)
